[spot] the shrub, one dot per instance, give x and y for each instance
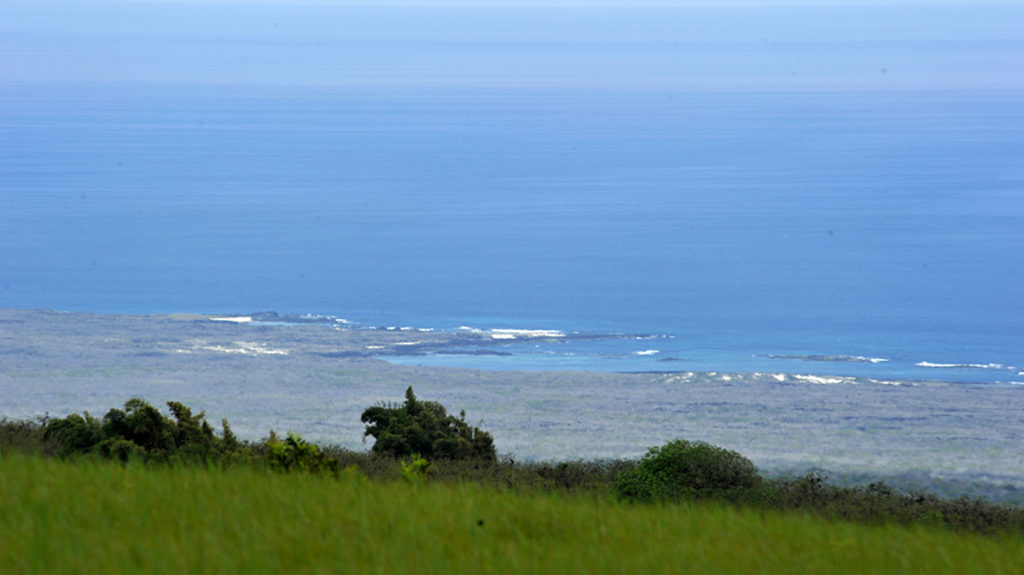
(424, 428)
(684, 470)
(416, 470)
(879, 503)
(27, 435)
(296, 454)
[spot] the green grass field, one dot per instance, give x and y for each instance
(100, 517)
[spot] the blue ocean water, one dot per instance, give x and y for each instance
(769, 224)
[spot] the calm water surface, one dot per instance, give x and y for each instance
(769, 198)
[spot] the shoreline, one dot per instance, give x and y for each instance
(547, 349)
(298, 378)
(333, 338)
(330, 337)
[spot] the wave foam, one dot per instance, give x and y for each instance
(508, 333)
(240, 347)
(830, 358)
(233, 319)
(524, 333)
(823, 380)
(995, 366)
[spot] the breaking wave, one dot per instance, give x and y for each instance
(993, 366)
(830, 358)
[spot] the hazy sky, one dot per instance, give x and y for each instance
(542, 3)
(673, 45)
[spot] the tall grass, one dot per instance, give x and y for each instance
(93, 516)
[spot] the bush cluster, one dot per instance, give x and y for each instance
(141, 432)
(418, 441)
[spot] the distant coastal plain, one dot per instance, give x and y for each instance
(314, 376)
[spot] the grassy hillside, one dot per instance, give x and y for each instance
(91, 517)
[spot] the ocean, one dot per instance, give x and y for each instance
(844, 199)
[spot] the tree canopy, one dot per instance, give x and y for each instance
(141, 431)
(425, 428)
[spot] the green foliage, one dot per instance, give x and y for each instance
(425, 428)
(415, 471)
(141, 432)
(296, 454)
(684, 470)
(120, 449)
(75, 433)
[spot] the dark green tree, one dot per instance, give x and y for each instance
(141, 424)
(140, 431)
(425, 428)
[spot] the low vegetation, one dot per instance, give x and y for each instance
(88, 515)
(417, 442)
